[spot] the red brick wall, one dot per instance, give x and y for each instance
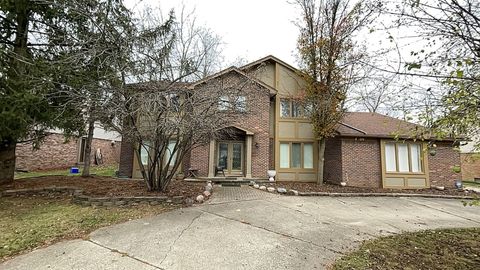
(361, 162)
(470, 166)
(256, 121)
(440, 165)
(333, 161)
(199, 159)
(55, 153)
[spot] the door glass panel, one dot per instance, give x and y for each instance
(237, 156)
(308, 156)
(415, 157)
(402, 157)
(284, 155)
(296, 155)
(222, 155)
(390, 160)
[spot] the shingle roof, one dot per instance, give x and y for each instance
(367, 124)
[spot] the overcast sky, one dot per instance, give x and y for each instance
(251, 29)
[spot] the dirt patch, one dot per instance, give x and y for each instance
(107, 186)
(313, 187)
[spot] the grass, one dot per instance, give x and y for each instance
(100, 171)
(471, 184)
(431, 249)
(27, 223)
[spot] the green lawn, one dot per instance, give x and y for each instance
(431, 249)
(31, 222)
(100, 171)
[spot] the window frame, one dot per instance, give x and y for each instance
(409, 158)
(293, 106)
(302, 155)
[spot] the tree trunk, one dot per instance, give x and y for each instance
(88, 149)
(321, 160)
(7, 162)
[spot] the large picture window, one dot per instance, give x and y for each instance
(296, 155)
(403, 157)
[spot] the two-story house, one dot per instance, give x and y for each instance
(279, 136)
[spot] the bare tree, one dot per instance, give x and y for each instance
(166, 120)
(329, 57)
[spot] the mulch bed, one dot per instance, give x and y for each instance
(99, 186)
(313, 187)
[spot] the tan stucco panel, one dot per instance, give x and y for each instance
(266, 74)
(286, 130)
(288, 82)
(305, 131)
(286, 176)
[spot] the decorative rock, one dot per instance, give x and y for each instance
(206, 193)
(343, 184)
(440, 187)
(292, 192)
(281, 190)
(209, 184)
(208, 188)
(189, 201)
(256, 186)
(262, 188)
(200, 198)
(271, 189)
(252, 183)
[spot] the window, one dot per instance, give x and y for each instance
(144, 149)
(403, 157)
(297, 109)
(238, 103)
(241, 104)
(174, 102)
(296, 155)
(168, 153)
(284, 155)
(291, 109)
(285, 108)
(223, 103)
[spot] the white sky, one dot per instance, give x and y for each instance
(250, 29)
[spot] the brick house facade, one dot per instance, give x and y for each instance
(277, 135)
(56, 152)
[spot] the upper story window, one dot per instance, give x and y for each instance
(291, 109)
(238, 103)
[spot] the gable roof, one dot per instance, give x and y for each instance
(272, 90)
(367, 124)
(269, 58)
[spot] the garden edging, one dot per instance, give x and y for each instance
(338, 194)
(85, 200)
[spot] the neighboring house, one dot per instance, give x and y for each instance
(470, 161)
(279, 136)
(58, 152)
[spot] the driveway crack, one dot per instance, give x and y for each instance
(178, 237)
(278, 233)
(124, 254)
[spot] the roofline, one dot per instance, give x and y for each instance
(269, 57)
(272, 90)
(352, 127)
(402, 137)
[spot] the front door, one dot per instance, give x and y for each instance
(230, 157)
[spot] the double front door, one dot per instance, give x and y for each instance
(230, 157)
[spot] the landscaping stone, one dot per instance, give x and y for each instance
(292, 192)
(262, 188)
(256, 186)
(271, 189)
(200, 198)
(208, 187)
(206, 193)
(189, 201)
(281, 190)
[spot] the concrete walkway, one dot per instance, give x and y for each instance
(253, 232)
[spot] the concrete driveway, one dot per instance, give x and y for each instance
(244, 229)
